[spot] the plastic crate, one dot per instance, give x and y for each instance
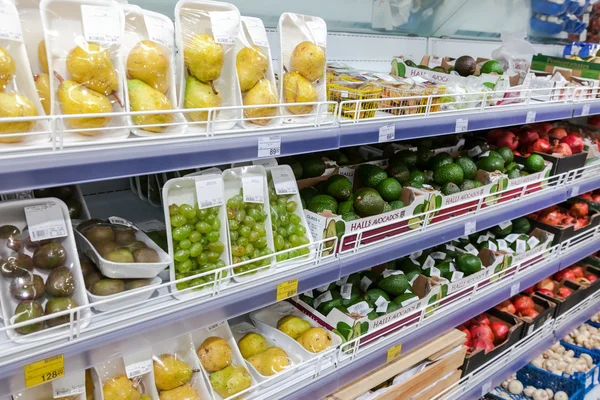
(409, 106)
(589, 379)
(342, 91)
(595, 353)
(549, 7)
(592, 323)
(539, 378)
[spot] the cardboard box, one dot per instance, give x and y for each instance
(525, 185)
(477, 358)
(545, 241)
(565, 305)
(564, 233)
(592, 287)
(546, 310)
(581, 69)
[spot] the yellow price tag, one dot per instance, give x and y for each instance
(394, 352)
(285, 290)
(44, 371)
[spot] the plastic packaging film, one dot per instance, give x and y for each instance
(83, 47)
(255, 76)
(313, 339)
(148, 46)
(205, 34)
(302, 68)
(18, 94)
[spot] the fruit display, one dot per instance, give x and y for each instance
(119, 387)
(591, 198)
(586, 336)
(312, 339)
(484, 332)
(72, 197)
(558, 360)
(565, 219)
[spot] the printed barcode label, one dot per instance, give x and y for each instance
(387, 133)
(512, 237)
(215, 326)
(462, 125)
(322, 298)
(470, 227)
(475, 151)
(585, 110)
(120, 221)
(361, 308)
(269, 146)
(530, 117)
(45, 221)
(492, 246)
(256, 30)
(70, 385)
(471, 249)
(435, 272)
(521, 246)
(101, 24)
(346, 291)
(160, 31)
(416, 254)
(138, 368)
(252, 185)
(209, 192)
(438, 255)
(505, 224)
(10, 25)
(284, 181)
(429, 262)
(533, 241)
(457, 275)
(224, 25)
(502, 245)
(365, 283)
(342, 280)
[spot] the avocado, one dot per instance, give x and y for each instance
(449, 173)
(465, 66)
(468, 166)
(468, 264)
(490, 163)
(394, 285)
(296, 169)
(440, 159)
(339, 187)
(521, 225)
(424, 155)
(391, 307)
(336, 301)
(390, 189)
(346, 207)
(321, 203)
(399, 171)
(534, 163)
(312, 166)
(372, 276)
(350, 216)
(449, 188)
(308, 193)
(372, 295)
(492, 66)
(506, 154)
(439, 68)
(397, 204)
(467, 185)
(417, 177)
(513, 173)
(406, 157)
(371, 175)
(387, 207)
(368, 202)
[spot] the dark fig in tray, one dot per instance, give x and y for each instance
(59, 304)
(60, 282)
(21, 265)
(50, 256)
(25, 311)
(30, 287)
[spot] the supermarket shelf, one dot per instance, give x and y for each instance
(367, 131)
(586, 108)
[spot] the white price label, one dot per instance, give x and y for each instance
(346, 291)
(269, 146)
(416, 254)
(256, 30)
(365, 283)
(253, 188)
(27, 194)
(361, 308)
(120, 221)
(585, 110)
(284, 181)
(265, 162)
(449, 247)
(318, 29)
(502, 245)
(533, 241)
(348, 173)
(10, 25)
(160, 31)
(475, 151)
(45, 221)
(342, 280)
(486, 388)
(323, 288)
(309, 294)
(512, 237)
(224, 25)
(210, 192)
(521, 246)
(482, 238)
(514, 289)
(456, 275)
(429, 262)
(492, 246)
(451, 267)
(215, 326)
(575, 191)
(387, 133)
(530, 117)
(71, 385)
(435, 272)
(505, 224)
(389, 272)
(462, 125)
(382, 305)
(470, 227)
(138, 368)
(101, 24)
(471, 249)
(438, 255)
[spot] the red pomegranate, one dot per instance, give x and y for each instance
(486, 345)
(557, 133)
(546, 283)
(564, 292)
(552, 218)
(540, 145)
(508, 140)
(527, 137)
(577, 271)
(562, 149)
(564, 274)
(546, 292)
(500, 331)
(481, 331)
(530, 313)
(591, 278)
(574, 142)
(522, 302)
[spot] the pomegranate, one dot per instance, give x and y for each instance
(591, 278)
(529, 290)
(495, 134)
(481, 331)
(547, 284)
(522, 302)
(506, 306)
(508, 140)
(529, 313)
(596, 198)
(587, 196)
(564, 274)
(568, 221)
(574, 142)
(594, 120)
(540, 145)
(485, 345)
(577, 271)
(552, 218)
(546, 292)
(500, 331)
(562, 149)
(544, 135)
(579, 209)
(581, 223)
(564, 292)
(544, 127)
(557, 133)
(480, 319)
(527, 137)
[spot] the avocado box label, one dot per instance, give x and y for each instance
(469, 280)
(544, 239)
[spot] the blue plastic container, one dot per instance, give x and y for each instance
(536, 377)
(572, 6)
(594, 324)
(549, 7)
(589, 379)
(549, 28)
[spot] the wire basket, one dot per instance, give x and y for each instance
(541, 379)
(410, 106)
(342, 91)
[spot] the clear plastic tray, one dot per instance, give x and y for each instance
(124, 302)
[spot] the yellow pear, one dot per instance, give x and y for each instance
(214, 354)
(293, 326)
(170, 372)
(78, 99)
(297, 89)
(147, 397)
(7, 68)
(89, 386)
(185, 392)
(230, 380)
(270, 361)
(315, 340)
(120, 388)
(91, 66)
(308, 60)
(200, 95)
(43, 56)
(42, 84)
(15, 105)
(262, 93)
(251, 344)
(148, 62)
(204, 57)
(251, 64)
(144, 98)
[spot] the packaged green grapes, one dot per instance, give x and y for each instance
(248, 221)
(196, 222)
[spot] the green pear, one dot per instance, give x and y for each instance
(297, 89)
(148, 62)
(170, 372)
(262, 93)
(200, 95)
(7, 68)
(185, 392)
(90, 65)
(293, 326)
(143, 97)
(251, 65)
(15, 105)
(204, 57)
(252, 344)
(230, 380)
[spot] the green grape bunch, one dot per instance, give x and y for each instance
(288, 230)
(247, 234)
(197, 245)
